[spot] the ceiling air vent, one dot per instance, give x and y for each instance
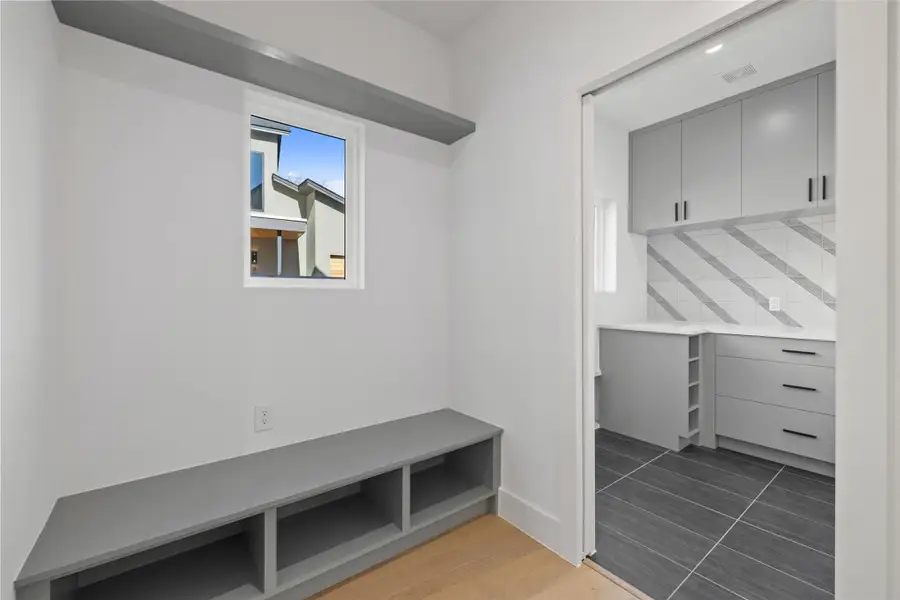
(739, 73)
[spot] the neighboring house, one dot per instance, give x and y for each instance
(296, 229)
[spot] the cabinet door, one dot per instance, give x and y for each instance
(711, 165)
(656, 177)
(780, 149)
(827, 124)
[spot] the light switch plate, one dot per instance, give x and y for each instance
(262, 418)
(774, 303)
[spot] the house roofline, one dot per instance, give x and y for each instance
(306, 186)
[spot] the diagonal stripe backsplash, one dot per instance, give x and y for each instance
(728, 274)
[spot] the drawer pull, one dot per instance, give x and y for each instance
(801, 434)
(804, 352)
(799, 387)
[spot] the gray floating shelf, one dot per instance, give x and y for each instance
(287, 522)
(169, 32)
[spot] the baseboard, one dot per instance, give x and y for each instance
(785, 458)
(530, 520)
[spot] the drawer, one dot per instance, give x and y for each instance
(795, 431)
(784, 384)
(801, 352)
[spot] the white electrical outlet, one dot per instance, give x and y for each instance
(262, 418)
(774, 303)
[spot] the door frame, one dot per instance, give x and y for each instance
(868, 160)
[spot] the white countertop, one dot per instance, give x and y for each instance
(794, 333)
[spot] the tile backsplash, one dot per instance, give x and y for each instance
(729, 274)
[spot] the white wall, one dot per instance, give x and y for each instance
(27, 450)
(894, 557)
(867, 360)
(164, 353)
(353, 37)
(515, 319)
(629, 302)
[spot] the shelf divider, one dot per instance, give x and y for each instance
(262, 535)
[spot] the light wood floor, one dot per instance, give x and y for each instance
(486, 559)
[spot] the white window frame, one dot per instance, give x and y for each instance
(320, 120)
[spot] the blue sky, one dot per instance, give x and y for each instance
(308, 154)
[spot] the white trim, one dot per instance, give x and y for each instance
(529, 518)
(320, 120)
(588, 331)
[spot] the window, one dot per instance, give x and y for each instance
(305, 213)
(605, 229)
(256, 180)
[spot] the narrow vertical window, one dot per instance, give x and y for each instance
(257, 160)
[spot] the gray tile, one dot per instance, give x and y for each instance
(666, 305)
(794, 527)
(711, 497)
(649, 572)
(604, 477)
(754, 580)
(810, 475)
(729, 462)
(670, 540)
(736, 279)
(807, 487)
(614, 461)
(697, 588)
(642, 451)
(807, 565)
(730, 482)
(798, 504)
(690, 285)
(700, 520)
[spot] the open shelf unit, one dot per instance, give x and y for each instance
(289, 522)
(692, 421)
(221, 568)
(440, 485)
(316, 536)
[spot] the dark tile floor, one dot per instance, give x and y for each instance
(712, 524)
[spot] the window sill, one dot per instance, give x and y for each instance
(303, 283)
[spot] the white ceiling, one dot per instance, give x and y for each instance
(445, 19)
(780, 43)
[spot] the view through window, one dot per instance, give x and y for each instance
(297, 201)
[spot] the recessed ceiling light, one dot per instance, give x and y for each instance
(714, 49)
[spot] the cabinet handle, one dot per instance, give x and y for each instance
(684, 212)
(804, 352)
(676, 212)
(799, 387)
(801, 434)
(824, 187)
(810, 192)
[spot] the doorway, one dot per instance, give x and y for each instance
(763, 302)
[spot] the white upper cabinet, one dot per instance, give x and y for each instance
(827, 125)
(780, 149)
(711, 165)
(656, 177)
